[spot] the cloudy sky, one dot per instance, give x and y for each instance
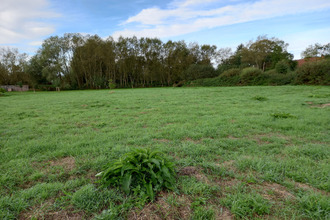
(224, 23)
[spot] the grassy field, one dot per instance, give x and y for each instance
(240, 152)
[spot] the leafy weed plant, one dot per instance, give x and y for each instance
(260, 98)
(142, 171)
(283, 115)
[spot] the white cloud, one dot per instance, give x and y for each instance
(22, 20)
(183, 17)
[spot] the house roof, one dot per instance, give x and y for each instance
(308, 59)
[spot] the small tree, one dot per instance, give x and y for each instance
(112, 85)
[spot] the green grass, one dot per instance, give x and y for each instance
(251, 152)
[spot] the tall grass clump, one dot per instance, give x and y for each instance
(142, 171)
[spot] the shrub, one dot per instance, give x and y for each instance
(251, 76)
(2, 91)
(274, 78)
(231, 73)
(230, 77)
(282, 67)
(142, 171)
(314, 73)
(196, 71)
(112, 84)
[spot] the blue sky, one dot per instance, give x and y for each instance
(224, 23)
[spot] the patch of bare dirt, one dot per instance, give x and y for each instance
(224, 214)
(192, 140)
(279, 191)
(194, 171)
(161, 209)
(325, 105)
(228, 182)
(229, 164)
(162, 140)
(262, 138)
(313, 105)
(68, 163)
(308, 187)
(232, 137)
(43, 213)
(189, 171)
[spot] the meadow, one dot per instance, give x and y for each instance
(240, 152)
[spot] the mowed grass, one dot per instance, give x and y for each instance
(240, 152)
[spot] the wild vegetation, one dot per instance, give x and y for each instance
(244, 152)
(74, 61)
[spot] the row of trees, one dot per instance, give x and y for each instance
(74, 61)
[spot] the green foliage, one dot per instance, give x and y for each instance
(282, 115)
(244, 205)
(112, 84)
(142, 171)
(251, 76)
(282, 67)
(2, 91)
(274, 78)
(197, 71)
(260, 98)
(231, 73)
(314, 73)
(314, 206)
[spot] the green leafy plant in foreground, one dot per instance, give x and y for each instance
(260, 98)
(283, 115)
(142, 171)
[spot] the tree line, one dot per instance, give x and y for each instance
(75, 61)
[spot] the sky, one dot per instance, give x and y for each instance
(224, 23)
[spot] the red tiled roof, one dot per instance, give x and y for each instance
(310, 59)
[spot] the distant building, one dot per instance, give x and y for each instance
(12, 88)
(309, 59)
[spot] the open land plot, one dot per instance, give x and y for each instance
(240, 152)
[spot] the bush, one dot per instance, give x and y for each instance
(142, 171)
(196, 71)
(2, 91)
(314, 73)
(251, 76)
(231, 73)
(282, 67)
(112, 84)
(274, 78)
